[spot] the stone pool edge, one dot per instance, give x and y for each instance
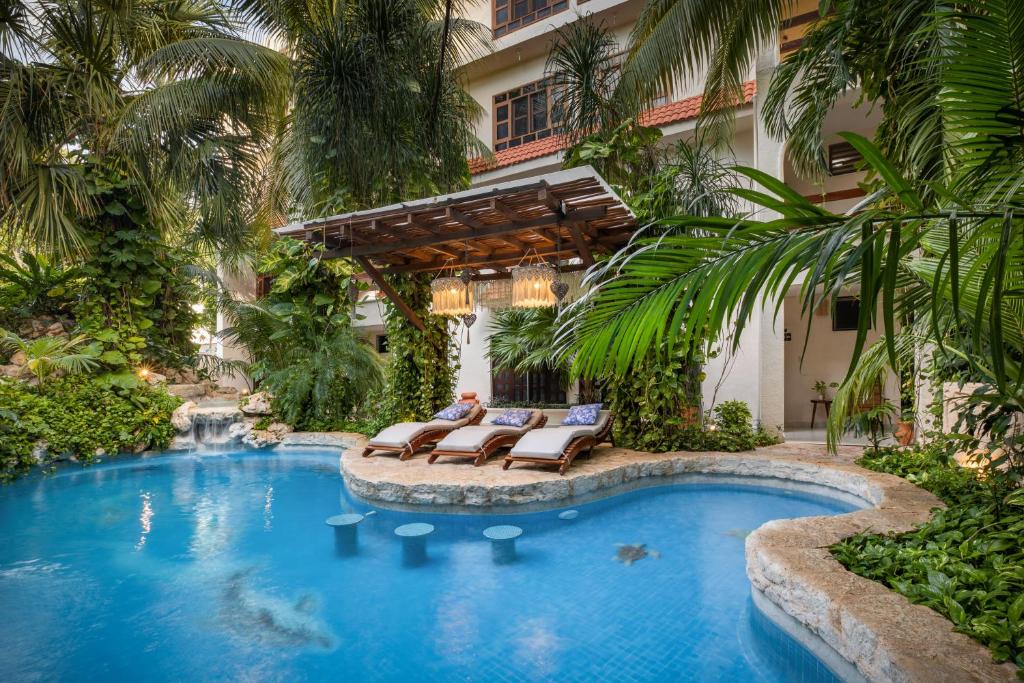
(887, 638)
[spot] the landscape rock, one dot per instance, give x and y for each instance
(239, 431)
(182, 442)
(257, 404)
(181, 418)
(11, 370)
(186, 391)
(19, 358)
(55, 330)
(154, 379)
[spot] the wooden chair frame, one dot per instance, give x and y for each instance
(489, 447)
(424, 438)
(574, 448)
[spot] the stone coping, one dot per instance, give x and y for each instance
(879, 631)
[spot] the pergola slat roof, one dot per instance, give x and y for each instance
(563, 215)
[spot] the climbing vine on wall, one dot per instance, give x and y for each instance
(657, 408)
(136, 292)
(424, 364)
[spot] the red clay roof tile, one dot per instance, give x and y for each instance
(673, 112)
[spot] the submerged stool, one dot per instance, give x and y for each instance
(569, 514)
(414, 542)
(346, 541)
(503, 542)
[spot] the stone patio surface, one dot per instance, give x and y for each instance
(879, 631)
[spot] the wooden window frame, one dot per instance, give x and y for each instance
(504, 25)
(507, 99)
(850, 159)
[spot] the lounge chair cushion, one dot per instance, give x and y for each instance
(399, 435)
(583, 415)
(514, 417)
(550, 443)
(471, 439)
(455, 411)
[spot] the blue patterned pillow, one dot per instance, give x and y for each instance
(455, 411)
(583, 415)
(514, 417)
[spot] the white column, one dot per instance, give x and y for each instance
(769, 157)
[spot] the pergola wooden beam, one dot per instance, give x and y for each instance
(581, 244)
(575, 215)
(390, 292)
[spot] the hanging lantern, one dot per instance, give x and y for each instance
(451, 296)
(531, 286)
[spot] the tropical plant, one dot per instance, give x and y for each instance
(520, 339)
(79, 417)
(422, 364)
(167, 94)
(378, 112)
(892, 53)
(46, 356)
(304, 350)
(32, 285)
(932, 255)
(966, 562)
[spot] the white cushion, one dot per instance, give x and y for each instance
(473, 437)
(399, 435)
(550, 443)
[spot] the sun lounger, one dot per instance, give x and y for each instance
(405, 438)
(481, 441)
(559, 445)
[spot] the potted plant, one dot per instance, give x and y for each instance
(904, 433)
(821, 388)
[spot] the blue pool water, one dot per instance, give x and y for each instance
(221, 568)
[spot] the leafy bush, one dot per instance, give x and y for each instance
(734, 428)
(931, 467)
(300, 337)
(967, 562)
(423, 365)
(137, 292)
(77, 416)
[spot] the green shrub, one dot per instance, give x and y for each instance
(77, 417)
(931, 467)
(734, 428)
(967, 562)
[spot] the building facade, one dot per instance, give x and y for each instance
(770, 370)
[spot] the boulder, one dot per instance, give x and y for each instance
(239, 431)
(181, 418)
(55, 330)
(19, 358)
(257, 404)
(14, 371)
(154, 379)
(186, 391)
(262, 438)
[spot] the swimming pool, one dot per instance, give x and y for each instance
(222, 567)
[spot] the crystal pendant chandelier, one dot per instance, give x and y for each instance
(531, 286)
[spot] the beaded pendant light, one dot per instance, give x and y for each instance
(531, 286)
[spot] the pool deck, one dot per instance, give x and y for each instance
(879, 631)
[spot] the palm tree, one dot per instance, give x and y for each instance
(520, 339)
(935, 255)
(888, 50)
(165, 94)
(46, 355)
(377, 114)
(312, 362)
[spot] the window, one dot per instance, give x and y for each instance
(525, 114)
(510, 15)
(842, 158)
(846, 314)
(382, 343)
(541, 386)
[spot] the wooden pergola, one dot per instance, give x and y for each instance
(565, 217)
